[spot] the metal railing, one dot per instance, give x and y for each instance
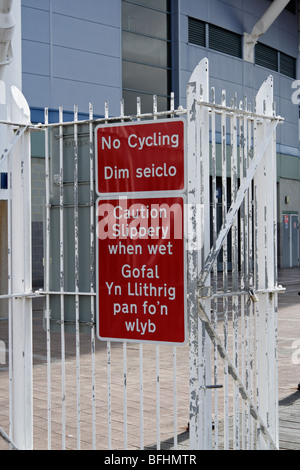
(104, 395)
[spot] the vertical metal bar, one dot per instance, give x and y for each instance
(247, 207)
(270, 269)
(243, 254)
(62, 276)
(138, 113)
(205, 351)
(154, 107)
(175, 397)
(157, 349)
(268, 383)
(125, 393)
(138, 108)
(255, 283)
(201, 391)
(9, 273)
(245, 228)
(92, 273)
(199, 78)
(141, 397)
(124, 349)
(109, 404)
(249, 308)
(76, 254)
(225, 270)
(215, 266)
(21, 279)
(157, 397)
(243, 216)
(47, 275)
(234, 269)
(172, 102)
(172, 107)
(275, 423)
(109, 416)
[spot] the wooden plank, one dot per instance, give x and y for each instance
(289, 423)
(286, 424)
(288, 446)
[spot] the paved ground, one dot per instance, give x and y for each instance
(154, 365)
(289, 360)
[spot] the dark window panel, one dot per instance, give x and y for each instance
(287, 65)
(196, 32)
(225, 41)
(266, 56)
(162, 5)
(144, 21)
(291, 6)
(3, 180)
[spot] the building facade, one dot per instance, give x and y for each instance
(78, 52)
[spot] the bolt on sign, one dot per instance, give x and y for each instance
(141, 265)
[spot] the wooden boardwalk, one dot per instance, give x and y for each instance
(289, 368)
(289, 427)
(289, 377)
(289, 422)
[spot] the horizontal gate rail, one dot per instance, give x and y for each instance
(238, 112)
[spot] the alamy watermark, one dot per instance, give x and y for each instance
(140, 220)
(296, 353)
(296, 93)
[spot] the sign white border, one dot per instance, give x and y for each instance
(140, 123)
(184, 254)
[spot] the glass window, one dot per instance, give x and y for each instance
(146, 63)
(156, 4)
(145, 50)
(3, 180)
(144, 21)
(275, 60)
(266, 56)
(220, 39)
(287, 65)
(145, 78)
(225, 41)
(196, 32)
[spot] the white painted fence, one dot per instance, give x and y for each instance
(85, 394)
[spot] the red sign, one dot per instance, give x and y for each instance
(286, 221)
(140, 157)
(141, 276)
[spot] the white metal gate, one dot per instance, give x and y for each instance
(222, 386)
(233, 313)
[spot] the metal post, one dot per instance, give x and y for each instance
(21, 278)
(14, 108)
(198, 205)
(7, 26)
(265, 197)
